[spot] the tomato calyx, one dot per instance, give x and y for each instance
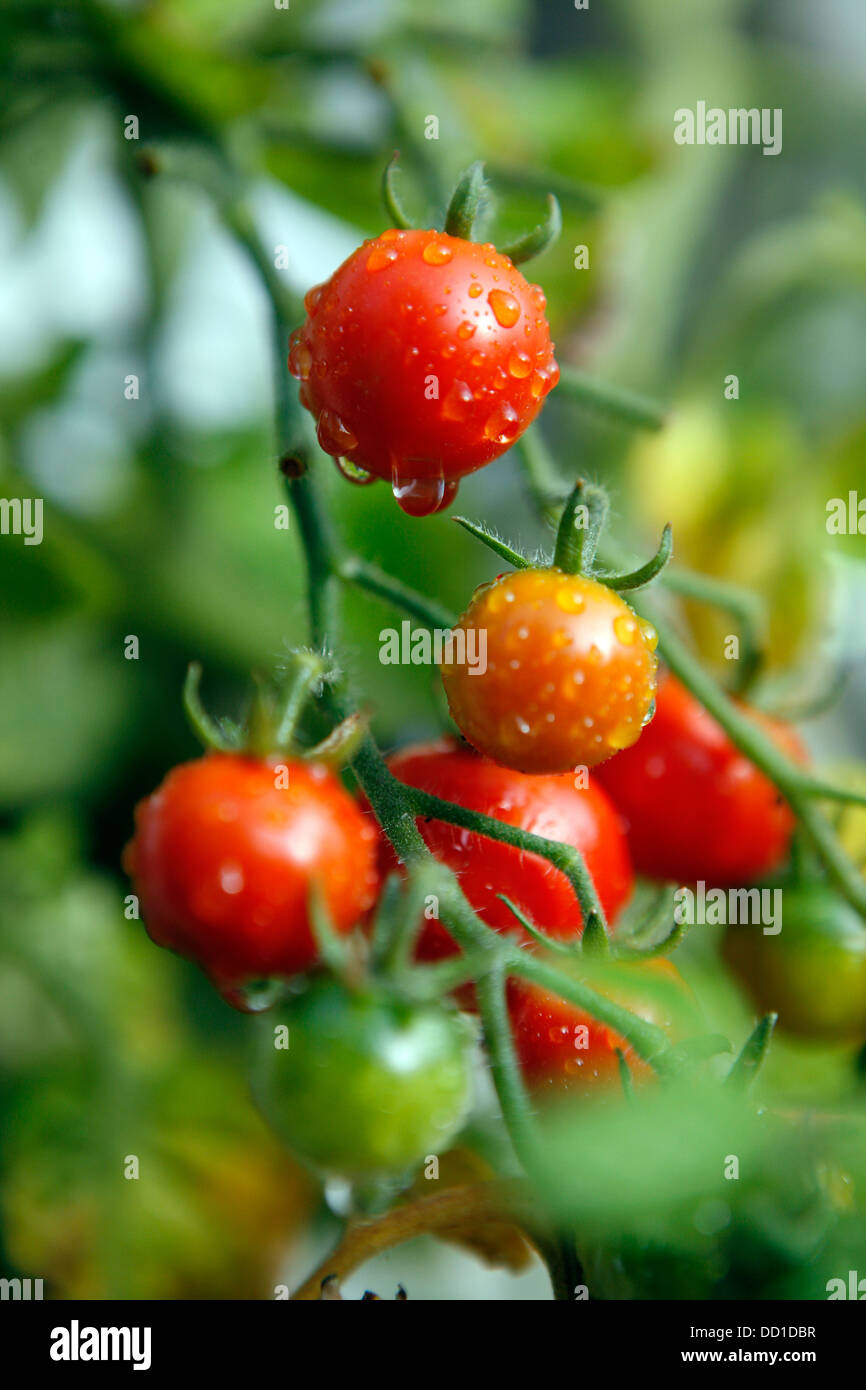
(467, 207)
(274, 713)
(579, 531)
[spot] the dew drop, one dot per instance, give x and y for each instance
(475, 290)
(458, 402)
(333, 435)
(648, 633)
(519, 364)
(312, 297)
(421, 496)
(435, 253)
(569, 600)
(506, 309)
(380, 258)
(300, 358)
(503, 425)
(392, 234)
(623, 736)
(465, 330)
(477, 359)
(353, 474)
(625, 629)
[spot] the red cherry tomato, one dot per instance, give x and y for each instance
(695, 807)
(568, 676)
(549, 806)
(224, 857)
(423, 358)
(560, 1048)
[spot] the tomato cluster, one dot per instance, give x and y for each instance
(422, 359)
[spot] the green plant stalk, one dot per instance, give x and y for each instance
(576, 545)
(490, 991)
(650, 1042)
(795, 785)
(372, 579)
(617, 404)
(563, 857)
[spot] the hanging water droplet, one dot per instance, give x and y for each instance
(254, 996)
(505, 307)
(353, 474)
(334, 435)
(421, 496)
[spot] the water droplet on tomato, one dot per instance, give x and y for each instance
(623, 736)
(312, 297)
(475, 290)
(300, 357)
(506, 309)
(648, 633)
(380, 258)
(625, 629)
(435, 253)
(569, 600)
(353, 474)
(334, 435)
(503, 425)
(465, 330)
(458, 402)
(421, 496)
(519, 364)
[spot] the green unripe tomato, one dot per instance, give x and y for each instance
(363, 1084)
(813, 973)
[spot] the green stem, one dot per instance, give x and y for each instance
(580, 527)
(563, 857)
(494, 543)
(505, 1067)
(367, 576)
(760, 749)
(617, 404)
(649, 1042)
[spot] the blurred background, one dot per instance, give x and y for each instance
(159, 507)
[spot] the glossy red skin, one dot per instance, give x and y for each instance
(374, 338)
(549, 806)
(545, 1027)
(569, 677)
(695, 808)
(223, 861)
